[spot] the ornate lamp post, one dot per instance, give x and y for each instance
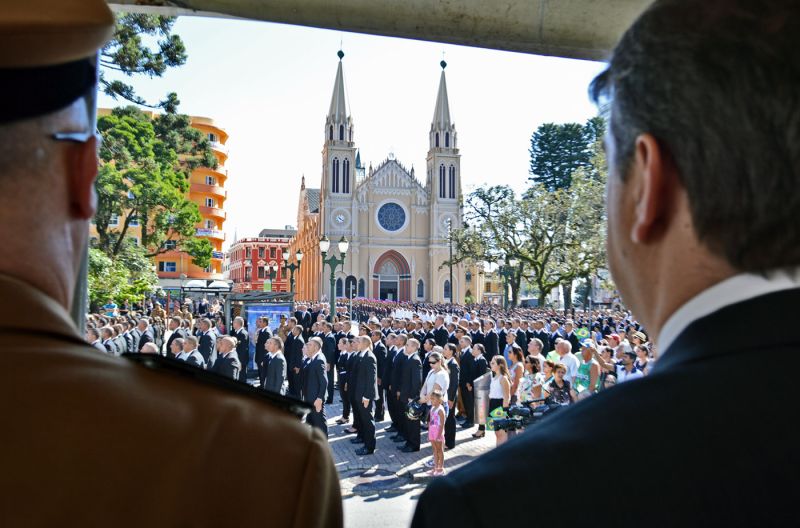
(273, 272)
(506, 272)
(333, 261)
(292, 267)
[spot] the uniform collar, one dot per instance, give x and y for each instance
(50, 317)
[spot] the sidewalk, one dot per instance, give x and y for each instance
(388, 458)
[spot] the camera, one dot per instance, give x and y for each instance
(522, 416)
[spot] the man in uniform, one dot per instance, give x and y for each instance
(703, 156)
(94, 425)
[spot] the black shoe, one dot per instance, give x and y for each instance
(391, 429)
(364, 451)
(410, 449)
(403, 447)
(356, 441)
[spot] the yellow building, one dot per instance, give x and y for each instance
(207, 190)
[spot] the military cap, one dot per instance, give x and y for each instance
(47, 54)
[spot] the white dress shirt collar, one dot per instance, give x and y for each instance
(733, 290)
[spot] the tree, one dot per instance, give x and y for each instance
(126, 278)
(143, 178)
(128, 54)
(558, 150)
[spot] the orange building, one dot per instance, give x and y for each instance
(207, 190)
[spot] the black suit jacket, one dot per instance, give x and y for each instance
(386, 374)
(576, 344)
(329, 348)
(455, 372)
(440, 335)
(490, 344)
(380, 353)
(146, 337)
(208, 347)
(365, 383)
(242, 345)
(397, 369)
(228, 366)
(467, 367)
(178, 333)
(294, 354)
(411, 378)
(315, 380)
(522, 340)
(261, 342)
(275, 373)
(711, 464)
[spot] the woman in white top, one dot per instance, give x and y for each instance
(517, 370)
(499, 393)
(438, 378)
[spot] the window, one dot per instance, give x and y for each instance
(212, 137)
(135, 240)
(171, 244)
(247, 253)
(469, 276)
(339, 288)
(447, 290)
(272, 253)
(420, 289)
(335, 171)
(330, 133)
(261, 252)
(447, 139)
(261, 272)
(210, 180)
(167, 267)
(208, 269)
(210, 224)
(114, 220)
(247, 274)
(362, 286)
(341, 132)
(437, 139)
(442, 189)
(452, 181)
(346, 176)
(134, 222)
(210, 202)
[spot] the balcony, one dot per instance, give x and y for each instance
(219, 147)
(214, 212)
(210, 233)
(214, 190)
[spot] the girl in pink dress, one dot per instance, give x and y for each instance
(436, 433)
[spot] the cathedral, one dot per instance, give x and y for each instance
(397, 225)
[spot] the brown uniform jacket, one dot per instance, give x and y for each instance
(95, 440)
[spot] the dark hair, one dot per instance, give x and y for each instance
(715, 82)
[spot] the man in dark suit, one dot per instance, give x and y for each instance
(569, 335)
(227, 363)
(262, 334)
(365, 392)
(491, 340)
(343, 344)
(239, 333)
(540, 333)
(275, 367)
(465, 381)
(440, 333)
(386, 381)
(352, 373)
(304, 319)
(410, 385)
(145, 333)
(315, 384)
(700, 260)
(329, 349)
(208, 342)
(398, 408)
(107, 334)
(294, 360)
(381, 356)
(452, 396)
(190, 353)
(177, 332)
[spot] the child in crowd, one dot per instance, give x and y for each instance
(436, 432)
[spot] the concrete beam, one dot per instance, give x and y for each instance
(579, 29)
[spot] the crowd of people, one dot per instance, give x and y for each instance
(416, 363)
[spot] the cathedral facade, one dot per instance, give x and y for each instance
(398, 227)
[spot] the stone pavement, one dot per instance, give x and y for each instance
(387, 459)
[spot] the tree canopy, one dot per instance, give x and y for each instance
(558, 150)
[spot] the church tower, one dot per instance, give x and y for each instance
(444, 187)
(338, 161)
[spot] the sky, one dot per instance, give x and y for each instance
(269, 86)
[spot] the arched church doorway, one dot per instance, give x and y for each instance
(391, 277)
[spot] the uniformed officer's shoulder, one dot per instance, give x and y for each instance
(214, 381)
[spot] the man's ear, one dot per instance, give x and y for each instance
(655, 180)
(81, 174)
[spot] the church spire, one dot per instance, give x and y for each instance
(338, 111)
(338, 124)
(441, 115)
(443, 132)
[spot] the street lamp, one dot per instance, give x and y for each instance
(333, 261)
(292, 267)
(273, 271)
(507, 272)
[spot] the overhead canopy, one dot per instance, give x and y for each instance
(580, 29)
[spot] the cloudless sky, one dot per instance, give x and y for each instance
(269, 86)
